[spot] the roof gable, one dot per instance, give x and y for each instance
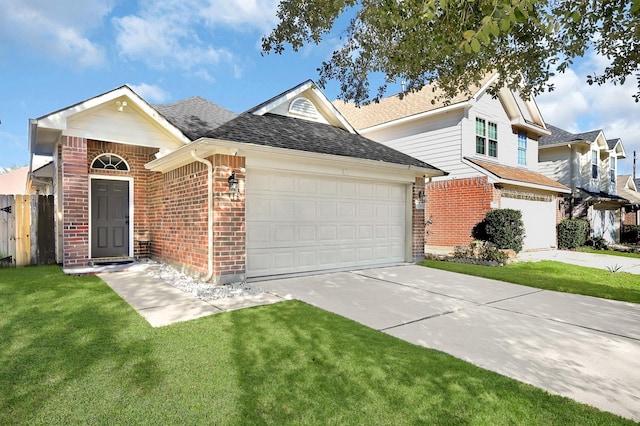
(431, 100)
(119, 115)
(560, 137)
(308, 96)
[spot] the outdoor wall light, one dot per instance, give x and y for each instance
(121, 105)
(233, 183)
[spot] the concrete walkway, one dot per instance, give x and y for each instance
(581, 347)
(161, 304)
(592, 260)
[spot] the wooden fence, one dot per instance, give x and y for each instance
(27, 230)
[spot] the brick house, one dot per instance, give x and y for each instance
(489, 148)
(287, 187)
(586, 163)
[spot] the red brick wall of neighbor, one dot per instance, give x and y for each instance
(455, 207)
(418, 222)
(629, 218)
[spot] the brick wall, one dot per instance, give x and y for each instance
(136, 157)
(418, 240)
(454, 207)
(180, 235)
(76, 156)
(75, 201)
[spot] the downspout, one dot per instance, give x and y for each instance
(209, 212)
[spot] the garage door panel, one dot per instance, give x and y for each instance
(324, 223)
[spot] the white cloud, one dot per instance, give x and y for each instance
(579, 107)
(58, 30)
(260, 14)
(150, 93)
(165, 36)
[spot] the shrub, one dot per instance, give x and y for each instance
(630, 234)
(597, 243)
(482, 251)
(503, 228)
(572, 233)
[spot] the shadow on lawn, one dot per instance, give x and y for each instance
(55, 329)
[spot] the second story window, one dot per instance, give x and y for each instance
(612, 169)
(522, 149)
(594, 164)
(486, 137)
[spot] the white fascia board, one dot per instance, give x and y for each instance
(519, 122)
(58, 120)
(321, 97)
(415, 117)
(485, 87)
(284, 98)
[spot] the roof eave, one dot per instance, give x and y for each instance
(205, 147)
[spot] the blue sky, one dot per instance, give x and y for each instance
(55, 54)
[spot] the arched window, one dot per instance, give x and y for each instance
(304, 107)
(110, 162)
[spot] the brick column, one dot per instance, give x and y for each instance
(419, 221)
(229, 237)
(75, 202)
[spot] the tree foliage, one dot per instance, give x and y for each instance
(458, 42)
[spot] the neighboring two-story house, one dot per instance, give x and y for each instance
(489, 147)
(587, 163)
(628, 188)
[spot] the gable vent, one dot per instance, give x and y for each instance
(304, 107)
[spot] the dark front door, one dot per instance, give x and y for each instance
(109, 218)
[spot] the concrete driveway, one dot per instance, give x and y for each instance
(581, 347)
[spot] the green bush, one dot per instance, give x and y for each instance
(630, 234)
(597, 243)
(482, 251)
(503, 228)
(572, 233)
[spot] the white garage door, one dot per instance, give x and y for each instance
(299, 223)
(539, 219)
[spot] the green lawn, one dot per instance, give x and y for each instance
(72, 352)
(610, 252)
(556, 276)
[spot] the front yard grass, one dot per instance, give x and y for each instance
(73, 352)
(550, 275)
(610, 252)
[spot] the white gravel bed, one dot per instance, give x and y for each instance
(199, 289)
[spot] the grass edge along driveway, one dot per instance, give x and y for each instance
(73, 352)
(556, 276)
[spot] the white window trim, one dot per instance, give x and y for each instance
(112, 155)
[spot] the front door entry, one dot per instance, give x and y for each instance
(109, 218)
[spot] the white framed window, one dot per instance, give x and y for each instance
(522, 149)
(594, 164)
(612, 169)
(486, 137)
(110, 162)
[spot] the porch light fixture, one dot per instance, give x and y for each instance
(233, 183)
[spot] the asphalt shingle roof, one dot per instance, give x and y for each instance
(395, 107)
(518, 175)
(303, 135)
(195, 116)
(559, 136)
